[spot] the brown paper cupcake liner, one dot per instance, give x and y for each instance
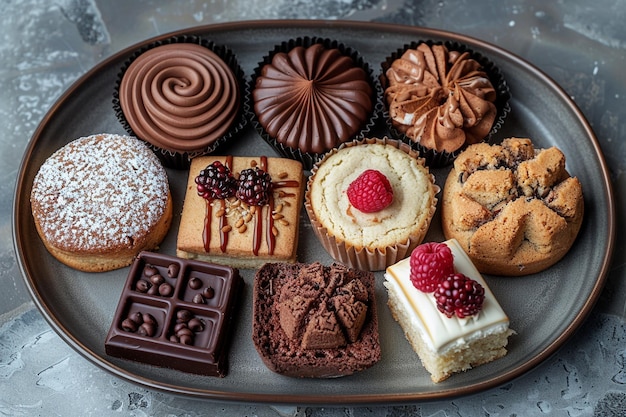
(433, 158)
(308, 159)
(368, 259)
(182, 159)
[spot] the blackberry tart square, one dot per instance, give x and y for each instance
(241, 211)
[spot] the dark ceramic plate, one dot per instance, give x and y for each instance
(545, 309)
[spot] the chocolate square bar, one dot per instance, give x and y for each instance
(175, 313)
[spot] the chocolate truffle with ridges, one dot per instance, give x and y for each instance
(310, 95)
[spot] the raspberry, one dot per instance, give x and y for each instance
(430, 263)
(460, 295)
(216, 181)
(254, 186)
(370, 192)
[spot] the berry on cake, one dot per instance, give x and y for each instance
(370, 192)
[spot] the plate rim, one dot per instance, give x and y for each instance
(314, 399)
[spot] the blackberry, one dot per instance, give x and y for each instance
(254, 187)
(216, 182)
(460, 295)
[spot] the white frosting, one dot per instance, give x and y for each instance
(439, 332)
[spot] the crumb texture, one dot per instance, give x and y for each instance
(312, 320)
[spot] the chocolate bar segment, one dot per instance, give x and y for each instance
(176, 313)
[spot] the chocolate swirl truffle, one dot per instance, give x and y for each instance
(312, 98)
(441, 98)
(181, 97)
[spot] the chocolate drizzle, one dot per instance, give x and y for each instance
(206, 230)
(208, 218)
(271, 239)
(223, 231)
(258, 223)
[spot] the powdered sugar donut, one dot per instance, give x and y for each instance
(100, 200)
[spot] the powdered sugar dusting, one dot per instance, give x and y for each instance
(99, 192)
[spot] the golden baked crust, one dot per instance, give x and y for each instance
(514, 209)
(100, 200)
(371, 241)
(278, 221)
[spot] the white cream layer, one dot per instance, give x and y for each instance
(438, 331)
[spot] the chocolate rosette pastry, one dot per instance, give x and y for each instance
(441, 98)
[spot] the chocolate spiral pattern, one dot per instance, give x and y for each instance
(312, 98)
(442, 99)
(181, 96)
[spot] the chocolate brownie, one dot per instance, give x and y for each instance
(315, 321)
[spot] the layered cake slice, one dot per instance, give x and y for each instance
(448, 335)
(242, 211)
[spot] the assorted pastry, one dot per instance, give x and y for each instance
(183, 96)
(242, 211)
(442, 97)
(310, 95)
(315, 321)
(446, 310)
(513, 207)
(507, 207)
(100, 200)
(371, 202)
